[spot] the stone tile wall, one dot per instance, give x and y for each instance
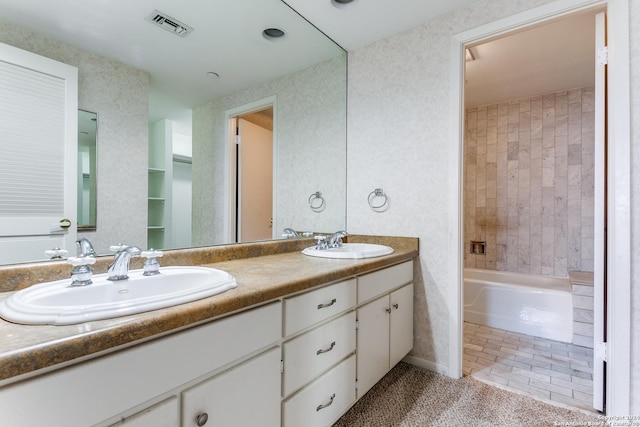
(528, 183)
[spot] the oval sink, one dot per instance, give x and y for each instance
(57, 303)
(350, 250)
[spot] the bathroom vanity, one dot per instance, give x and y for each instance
(297, 343)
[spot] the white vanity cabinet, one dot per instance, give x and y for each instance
(302, 360)
(318, 382)
(385, 322)
(125, 386)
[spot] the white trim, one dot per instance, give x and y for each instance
(229, 159)
(618, 377)
(599, 205)
(426, 364)
(618, 370)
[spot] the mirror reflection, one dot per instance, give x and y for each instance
(87, 174)
(187, 195)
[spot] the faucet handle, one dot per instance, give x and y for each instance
(81, 273)
(151, 253)
(321, 242)
(56, 253)
(78, 261)
(151, 265)
(116, 249)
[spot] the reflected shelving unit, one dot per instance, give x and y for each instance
(160, 178)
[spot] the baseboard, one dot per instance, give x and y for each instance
(426, 364)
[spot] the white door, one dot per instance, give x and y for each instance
(255, 174)
(38, 165)
(599, 220)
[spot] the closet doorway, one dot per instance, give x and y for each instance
(252, 174)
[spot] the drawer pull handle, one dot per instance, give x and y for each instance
(202, 419)
(395, 306)
(333, 301)
(333, 344)
(333, 396)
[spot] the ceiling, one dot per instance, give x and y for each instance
(547, 58)
(118, 30)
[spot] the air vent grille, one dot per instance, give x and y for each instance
(168, 23)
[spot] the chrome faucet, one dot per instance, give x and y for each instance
(81, 273)
(120, 268)
(335, 241)
(290, 233)
(85, 248)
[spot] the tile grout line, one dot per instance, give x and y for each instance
(541, 368)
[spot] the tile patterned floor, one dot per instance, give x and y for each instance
(548, 370)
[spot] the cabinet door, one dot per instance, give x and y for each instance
(163, 414)
(401, 328)
(246, 395)
(372, 343)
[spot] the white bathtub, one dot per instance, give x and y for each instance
(540, 306)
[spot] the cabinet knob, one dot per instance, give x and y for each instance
(388, 310)
(201, 419)
(395, 306)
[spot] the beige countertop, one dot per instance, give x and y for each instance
(264, 272)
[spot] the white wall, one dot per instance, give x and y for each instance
(398, 139)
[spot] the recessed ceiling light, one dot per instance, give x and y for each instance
(342, 4)
(274, 34)
(213, 75)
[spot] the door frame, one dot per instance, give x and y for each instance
(230, 160)
(618, 184)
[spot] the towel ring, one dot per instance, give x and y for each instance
(316, 202)
(382, 204)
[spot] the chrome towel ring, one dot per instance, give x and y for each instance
(378, 200)
(317, 202)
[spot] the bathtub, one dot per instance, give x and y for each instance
(540, 306)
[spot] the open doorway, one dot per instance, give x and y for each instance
(528, 210)
(252, 174)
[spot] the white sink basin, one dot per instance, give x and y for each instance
(57, 303)
(350, 250)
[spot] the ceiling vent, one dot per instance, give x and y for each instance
(168, 23)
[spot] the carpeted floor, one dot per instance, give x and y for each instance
(410, 396)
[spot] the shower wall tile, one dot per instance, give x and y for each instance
(529, 183)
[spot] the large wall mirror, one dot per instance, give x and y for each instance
(164, 171)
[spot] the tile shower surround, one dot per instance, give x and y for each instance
(528, 184)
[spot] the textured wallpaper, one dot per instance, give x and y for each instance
(399, 140)
(310, 152)
(119, 94)
(528, 184)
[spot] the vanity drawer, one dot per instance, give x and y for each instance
(382, 281)
(310, 354)
(312, 307)
(324, 400)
